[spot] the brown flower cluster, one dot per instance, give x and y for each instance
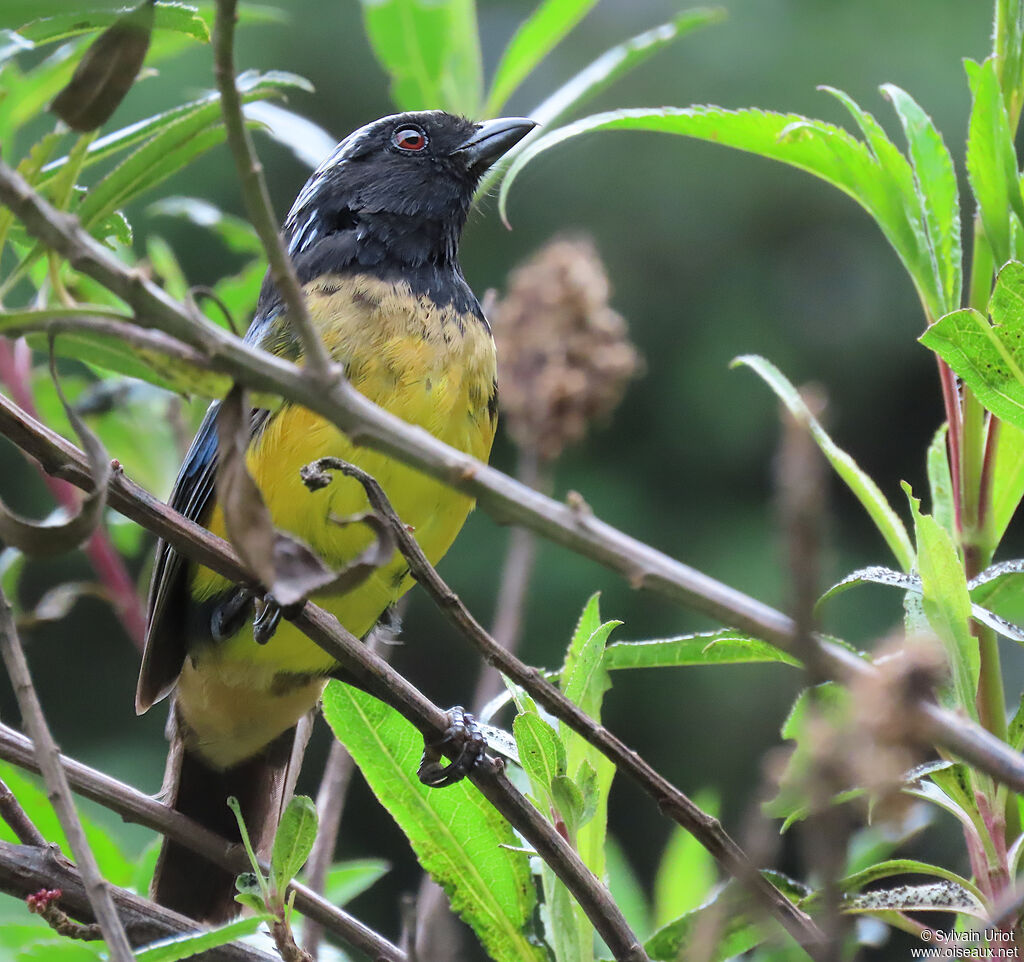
(564, 355)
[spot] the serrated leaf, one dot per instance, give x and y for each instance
(294, 840)
(568, 799)
(822, 149)
(935, 897)
(541, 752)
(864, 489)
(724, 647)
(457, 835)
(431, 51)
(904, 866)
(991, 159)
(937, 192)
(188, 946)
(947, 604)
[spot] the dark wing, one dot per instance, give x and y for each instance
(169, 599)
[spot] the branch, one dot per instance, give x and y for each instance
(257, 198)
(674, 803)
(57, 787)
(366, 668)
(133, 806)
(25, 869)
(17, 819)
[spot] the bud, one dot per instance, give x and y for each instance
(564, 355)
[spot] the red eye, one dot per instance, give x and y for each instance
(409, 138)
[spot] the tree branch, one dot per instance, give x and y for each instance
(25, 869)
(58, 791)
(133, 806)
(17, 818)
(369, 671)
(257, 198)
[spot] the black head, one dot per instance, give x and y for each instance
(397, 191)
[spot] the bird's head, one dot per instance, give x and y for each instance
(399, 189)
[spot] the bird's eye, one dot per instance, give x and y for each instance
(409, 138)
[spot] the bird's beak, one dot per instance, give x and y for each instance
(491, 139)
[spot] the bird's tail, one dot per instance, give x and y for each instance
(187, 882)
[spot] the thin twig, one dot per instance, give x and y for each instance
(58, 790)
(674, 803)
(330, 801)
(134, 806)
(257, 199)
(105, 561)
(24, 870)
(17, 819)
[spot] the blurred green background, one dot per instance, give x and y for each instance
(711, 254)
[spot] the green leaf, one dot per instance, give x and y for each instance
(177, 144)
(568, 799)
(1007, 478)
(1015, 731)
(188, 946)
(457, 835)
(600, 74)
(940, 483)
(626, 889)
(991, 159)
(865, 490)
(947, 605)
(905, 866)
(934, 897)
(236, 233)
(114, 865)
(540, 751)
(36, 88)
(937, 193)
(431, 51)
(724, 647)
(346, 880)
(822, 149)
(294, 840)
(536, 37)
(686, 873)
(176, 17)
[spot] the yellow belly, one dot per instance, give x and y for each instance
(237, 695)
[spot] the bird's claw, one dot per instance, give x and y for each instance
(465, 736)
(268, 616)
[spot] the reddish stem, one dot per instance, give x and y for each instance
(951, 399)
(15, 373)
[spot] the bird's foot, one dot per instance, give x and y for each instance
(268, 616)
(465, 736)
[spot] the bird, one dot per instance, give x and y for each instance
(373, 237)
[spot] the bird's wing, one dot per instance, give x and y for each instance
(169, 600)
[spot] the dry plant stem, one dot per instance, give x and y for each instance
(105, 561)
(330, 801)
(254, 191)
(674, 803)
(134, 806)
(801, 492)
(26, 869)
(501, 496)
(17, 819)
(57, 789)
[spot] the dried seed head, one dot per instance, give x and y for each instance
(908, 669)
(564, 355)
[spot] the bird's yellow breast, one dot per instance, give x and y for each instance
(430, 366)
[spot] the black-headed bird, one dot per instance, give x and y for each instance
(373, 236)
